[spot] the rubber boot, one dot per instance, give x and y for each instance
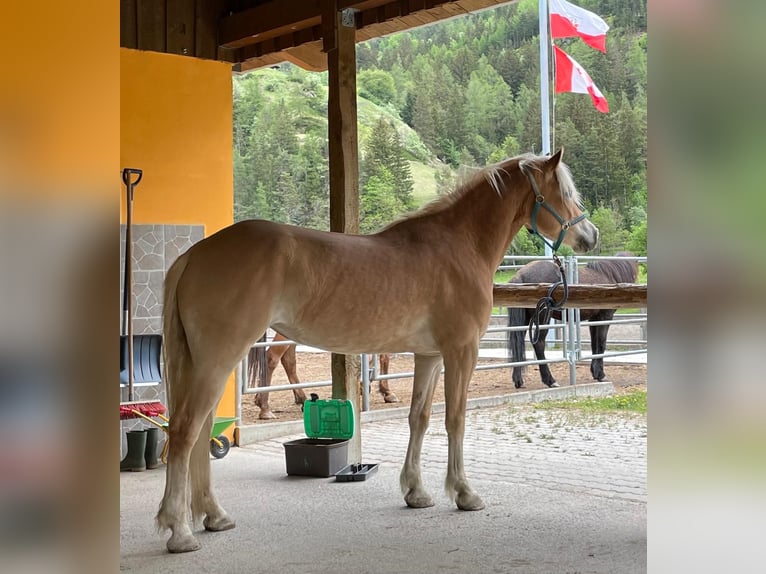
(135, 459)
(150, 454)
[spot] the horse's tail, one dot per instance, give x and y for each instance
(515, 345)
(176, 358)
(175, 347)
(257, 365)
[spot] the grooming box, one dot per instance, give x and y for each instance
(329, 424)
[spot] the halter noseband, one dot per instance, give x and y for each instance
(540, 202)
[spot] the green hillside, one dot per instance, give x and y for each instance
(424, 187)
(280, 151)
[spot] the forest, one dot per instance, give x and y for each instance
(438, 102)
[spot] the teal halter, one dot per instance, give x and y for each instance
(540, 202)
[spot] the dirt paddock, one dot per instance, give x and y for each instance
(316, 367)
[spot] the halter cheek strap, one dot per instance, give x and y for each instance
(540, 202)
(547, 304)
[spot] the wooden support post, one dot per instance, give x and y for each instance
(339, 42)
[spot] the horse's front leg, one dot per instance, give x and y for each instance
(427, 369)
(458, 368)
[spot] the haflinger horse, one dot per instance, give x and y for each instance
(602, 271)
(425, 282)
(285, 354)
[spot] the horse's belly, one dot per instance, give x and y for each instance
(353, 338)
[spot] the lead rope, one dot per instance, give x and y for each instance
(546, 305)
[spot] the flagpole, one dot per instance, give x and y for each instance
(545, 112)
(545, 84)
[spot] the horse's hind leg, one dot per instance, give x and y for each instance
(290, 364)
(187, 429)
(203, 499)
(516, 344)
(458, 368)
(427, 369)
(273, 357)
(598, 335)
(545, 372)
(388, 395)
(173, 512)
(518, 377)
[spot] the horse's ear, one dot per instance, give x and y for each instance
(555, 159)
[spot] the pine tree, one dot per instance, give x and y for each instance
(385, 177)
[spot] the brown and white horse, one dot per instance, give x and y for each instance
(425, 282)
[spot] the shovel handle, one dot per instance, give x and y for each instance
(127, 176)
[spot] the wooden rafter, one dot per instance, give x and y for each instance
(253, 35)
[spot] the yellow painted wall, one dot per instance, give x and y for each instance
(176, 125)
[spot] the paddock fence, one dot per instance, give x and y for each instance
(567, 340)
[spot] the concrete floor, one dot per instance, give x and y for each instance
(560, 497)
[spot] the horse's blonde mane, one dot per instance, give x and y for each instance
(563, 175)
(493, 176)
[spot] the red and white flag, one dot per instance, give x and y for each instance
(568, 20)
(572, 77)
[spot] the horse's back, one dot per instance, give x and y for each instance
(304, 283)
(607, 271)
(541, 271)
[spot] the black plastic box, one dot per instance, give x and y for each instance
(321, 457)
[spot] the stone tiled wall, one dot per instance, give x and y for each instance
(155, 248)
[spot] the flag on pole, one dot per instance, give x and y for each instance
(568, 20)
(572, 77)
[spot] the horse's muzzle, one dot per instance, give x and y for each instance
(587, 236)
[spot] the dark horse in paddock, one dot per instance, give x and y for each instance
(272, 356)
(604, 271)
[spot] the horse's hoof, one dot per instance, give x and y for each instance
(178, 544)
(552, 385)
(469, 501)
(519, 385)
(266, 415)
(219, 524)
(420, 500)
(391, 398)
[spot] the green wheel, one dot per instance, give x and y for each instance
(220, 451)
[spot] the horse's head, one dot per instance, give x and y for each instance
(557, 213)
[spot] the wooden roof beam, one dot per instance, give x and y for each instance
(298, 40)
(269, 20)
